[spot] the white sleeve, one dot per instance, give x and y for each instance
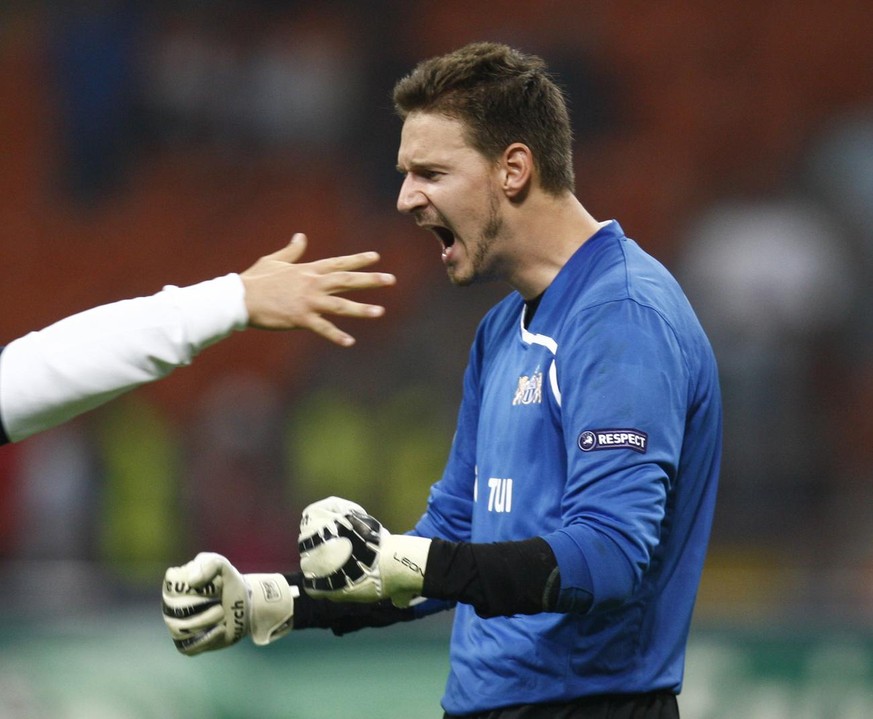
(74, 365)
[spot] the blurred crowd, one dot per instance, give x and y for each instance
(154, 143)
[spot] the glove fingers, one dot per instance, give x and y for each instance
(205, 604)
(208, 568)
(194, 628)
(340, 555)
(202, 573)
(196, 642)
(191, 616)
(326, 513)
(332, 505)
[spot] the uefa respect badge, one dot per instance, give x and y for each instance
(591, 440)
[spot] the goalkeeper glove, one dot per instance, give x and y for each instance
(208, 604)
(348, 556)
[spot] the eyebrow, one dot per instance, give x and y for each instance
(418, 167)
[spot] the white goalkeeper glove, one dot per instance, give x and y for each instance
(209, 605)
(348, 556)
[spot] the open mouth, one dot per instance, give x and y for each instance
(444, 235)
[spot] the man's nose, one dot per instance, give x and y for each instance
(410, 197)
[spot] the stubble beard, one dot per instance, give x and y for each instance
(482, 267)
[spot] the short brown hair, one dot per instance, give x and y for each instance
(502, 96)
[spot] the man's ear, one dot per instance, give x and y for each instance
(517, 165)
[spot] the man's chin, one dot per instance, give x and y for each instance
(459, 279)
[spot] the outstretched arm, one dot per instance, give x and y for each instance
(50, 376)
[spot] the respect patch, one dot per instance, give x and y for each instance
(594, 439)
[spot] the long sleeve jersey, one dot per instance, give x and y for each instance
(598, 428)
(87, 359)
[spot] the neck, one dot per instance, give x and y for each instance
(548, 230)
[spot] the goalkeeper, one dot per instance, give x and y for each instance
(570, 524)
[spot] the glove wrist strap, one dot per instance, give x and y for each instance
(272, 606)
(403, 562)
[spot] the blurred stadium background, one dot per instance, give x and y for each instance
(159, 143)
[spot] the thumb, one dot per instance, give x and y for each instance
(293, 250)
(205, 567)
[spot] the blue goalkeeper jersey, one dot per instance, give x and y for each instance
(598, 428)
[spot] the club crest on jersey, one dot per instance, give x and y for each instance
(594, 439)
(529, 390)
